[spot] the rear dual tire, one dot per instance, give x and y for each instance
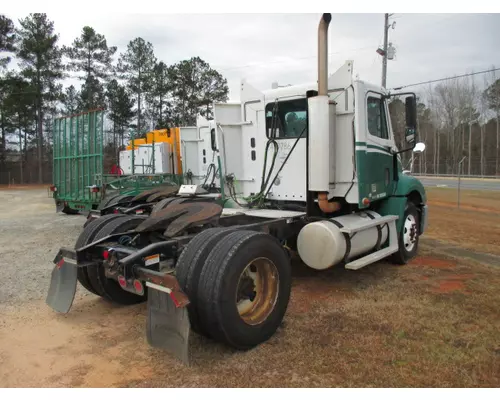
(106, 287)
(94, 279)
(243, 287)
(189, 266)
(86, 237)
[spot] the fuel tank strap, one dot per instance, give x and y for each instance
(347, 240)
(379, 232)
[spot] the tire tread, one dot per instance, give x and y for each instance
(189, 267)
(84, 239)
(219, 263)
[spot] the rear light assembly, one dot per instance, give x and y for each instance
(134, 286)
(53, 188)
(131, 284)
(94, 189)
(138, 286)
(122, 281)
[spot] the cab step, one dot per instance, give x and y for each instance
(393, 247)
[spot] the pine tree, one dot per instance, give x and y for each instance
(91, 55)
(195, 87)
(135, 66)
(212, 87)
(91, 95)
(7, 92)
(7, 39)
(159, 97)
(41, 63)
(70, 101)
(121, 106)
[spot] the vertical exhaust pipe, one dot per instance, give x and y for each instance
(323, 54)
(319, 126)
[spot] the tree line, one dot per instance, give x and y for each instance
(457, 118)
(138, 90)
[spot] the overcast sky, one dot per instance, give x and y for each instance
(265, 48)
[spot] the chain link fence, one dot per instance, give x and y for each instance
(447, 167)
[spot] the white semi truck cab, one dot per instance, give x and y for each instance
(313, 168)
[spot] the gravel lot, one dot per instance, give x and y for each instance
(31, 234)
(431, 323)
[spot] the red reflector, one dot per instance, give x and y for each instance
(366, 201)
(53, 188)
(95, 189)
(105, 254)
(122, 281)
(138, 286)
(115, 212)
(172, 296)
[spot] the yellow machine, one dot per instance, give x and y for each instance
(170, 136)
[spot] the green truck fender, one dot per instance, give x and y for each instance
(407, 188)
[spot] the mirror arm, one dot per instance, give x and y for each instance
(402, 151)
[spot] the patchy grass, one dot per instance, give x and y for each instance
(475, 226)
(479, 200)
(431, 323)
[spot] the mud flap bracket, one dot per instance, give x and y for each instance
(168, 326)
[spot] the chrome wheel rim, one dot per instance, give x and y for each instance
(410, 233)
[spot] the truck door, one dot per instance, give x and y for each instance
(374, 157)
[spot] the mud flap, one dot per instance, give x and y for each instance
(62, 286)
(168, 324)
(59, 206)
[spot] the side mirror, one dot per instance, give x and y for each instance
(411, 120)
(419, 147)
(411, 112)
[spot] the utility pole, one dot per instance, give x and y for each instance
(384, 60)
(387, 52)
(470, 139)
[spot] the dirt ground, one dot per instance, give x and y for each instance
(431, 323)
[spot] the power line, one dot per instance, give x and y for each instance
(448, 78)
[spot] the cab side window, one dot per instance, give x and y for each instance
(291, 118)
(377, 119)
